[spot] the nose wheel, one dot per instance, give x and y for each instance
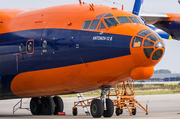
(109, 108)
(98, 107)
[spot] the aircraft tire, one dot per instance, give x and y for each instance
(96, 108)
(35, 106)
(47, 106)
(59, 106)
(109, 108)
(134, 111)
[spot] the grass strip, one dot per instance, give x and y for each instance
(140, 89)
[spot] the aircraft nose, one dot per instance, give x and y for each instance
(147, 49)
(151, 44)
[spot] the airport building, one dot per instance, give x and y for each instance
(161, 79)
(164, 77)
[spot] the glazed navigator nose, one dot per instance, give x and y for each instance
(147, 50)
(151, 43)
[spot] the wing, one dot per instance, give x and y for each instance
(168, 22)
(152, 18)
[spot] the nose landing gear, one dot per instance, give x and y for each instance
(109, 108)
(102, 106)
(98, 106)
(107, 103)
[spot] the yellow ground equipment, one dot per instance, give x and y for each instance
(124, 92)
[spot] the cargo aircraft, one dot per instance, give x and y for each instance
(73, 48)
(168, 22)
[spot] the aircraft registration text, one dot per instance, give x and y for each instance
(103, 38)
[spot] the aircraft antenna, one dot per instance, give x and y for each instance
(91, 7)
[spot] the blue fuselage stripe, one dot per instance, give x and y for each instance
(65, 48)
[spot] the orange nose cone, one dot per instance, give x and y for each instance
(142, 73)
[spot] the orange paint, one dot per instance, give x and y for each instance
(141, 73)
(71, 79)
(172, 17)
(82, 77)
(52, 17)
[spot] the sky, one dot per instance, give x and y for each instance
(171, 57)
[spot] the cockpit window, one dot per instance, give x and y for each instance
(148, 51)
(152, 37)
(86, 24)
(94, 24)
(102, 26)
(148, 43)
(111, 21)
(141, 20)
(101, 15)
(157, 55)
(134, 20)
(143, 33)
(108, 15)
(137, 42)
(123, 20)
(152, 47)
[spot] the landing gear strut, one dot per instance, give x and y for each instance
(107, 103)
(109, 108)
(46, 105)
(98, 107)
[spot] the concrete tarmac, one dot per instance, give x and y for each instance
(160, 107)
